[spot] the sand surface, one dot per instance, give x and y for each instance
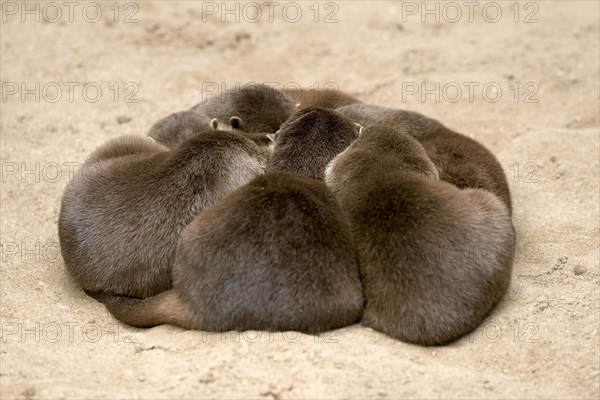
(535, 104)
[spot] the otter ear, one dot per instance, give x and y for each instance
(235, 122)
(271, 136)
(359, 128)
(214, 123)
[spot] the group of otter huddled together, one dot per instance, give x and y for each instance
(299, 210)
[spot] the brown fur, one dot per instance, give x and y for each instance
(260, 108)
(324, 98)
(175, 128)
(180, 126)
(264, 140)
(434, 259)
(123, 212)
(308, 141)
(276, 254)
(459, 159)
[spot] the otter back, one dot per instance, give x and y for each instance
(434, 259)
(123, 212)
(460, 160)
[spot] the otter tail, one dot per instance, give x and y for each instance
(164, 308)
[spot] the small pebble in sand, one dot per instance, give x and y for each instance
(579, 269)
(542, 305)
(123, 119)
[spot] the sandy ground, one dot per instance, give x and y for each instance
(542, 341)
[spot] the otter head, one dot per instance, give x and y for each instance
(309, 139)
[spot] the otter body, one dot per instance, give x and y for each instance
(122, 214)
(435, 259)
(460, 160)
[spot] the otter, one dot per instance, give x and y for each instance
(254, 108)
(306, 141)
(434, 258)
(276, 254)
(122, 213)
(460, 160)
(177, 127)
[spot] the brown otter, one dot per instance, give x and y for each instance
(253, 108)
(177, 127)
(123, 212)
(309, 139)
(460, 160)
(435, 259)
